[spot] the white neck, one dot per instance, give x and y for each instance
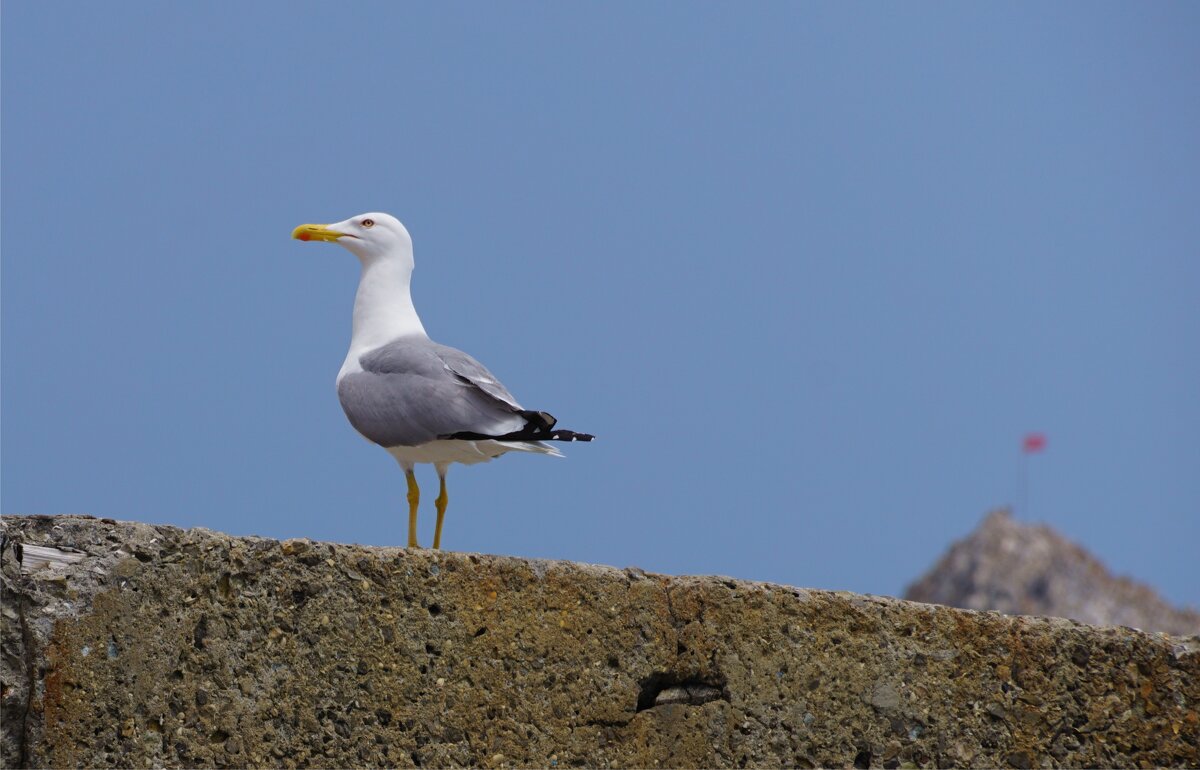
(383, 309)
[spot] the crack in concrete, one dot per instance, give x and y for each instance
(26, 661)
(670, 606)
(11, 550)
(27, 643)
(673, 686)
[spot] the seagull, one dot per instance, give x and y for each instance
(421, 401)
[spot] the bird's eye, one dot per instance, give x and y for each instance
(368, 223)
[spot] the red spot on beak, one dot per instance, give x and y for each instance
(305, 237)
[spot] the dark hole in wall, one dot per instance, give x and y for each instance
(693, 691)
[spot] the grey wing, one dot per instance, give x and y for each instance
(406, 395)
(475, 373)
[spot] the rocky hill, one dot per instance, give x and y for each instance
(135, 645)
(1026, 569)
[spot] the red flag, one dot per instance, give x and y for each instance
(1034, 442)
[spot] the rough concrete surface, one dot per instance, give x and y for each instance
(166, 647)
(1027, 569)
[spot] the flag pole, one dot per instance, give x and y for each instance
(1023, 484)
(1033, 442)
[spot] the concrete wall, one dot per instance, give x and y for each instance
(159, 646)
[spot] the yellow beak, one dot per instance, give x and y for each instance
(316, 233)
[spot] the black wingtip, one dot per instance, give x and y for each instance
(569, 435)
(539, 426)
(530, 433)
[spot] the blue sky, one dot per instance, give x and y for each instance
(809, 271)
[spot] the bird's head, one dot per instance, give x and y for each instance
(369, 236)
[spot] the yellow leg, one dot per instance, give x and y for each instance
(441, 512)
(414, 497)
